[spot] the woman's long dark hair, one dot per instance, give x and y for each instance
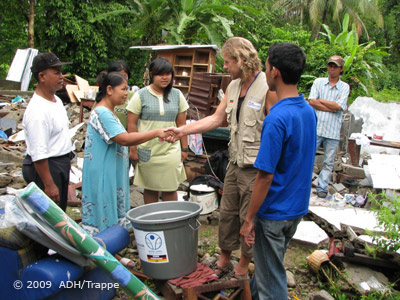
(115, 66)
(112, 79)
(161, 66)
(118, 66)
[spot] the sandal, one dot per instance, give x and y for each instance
(234, 277)
(222, 271)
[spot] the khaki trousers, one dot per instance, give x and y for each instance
(238, 187)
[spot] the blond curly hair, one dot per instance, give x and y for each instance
(244, 52)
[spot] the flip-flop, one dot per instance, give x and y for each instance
(222, 271)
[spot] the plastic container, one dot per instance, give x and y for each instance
(167, 237)
(205, 196)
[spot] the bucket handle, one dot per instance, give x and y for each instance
(196, 225)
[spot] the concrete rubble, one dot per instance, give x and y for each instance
(328, 218)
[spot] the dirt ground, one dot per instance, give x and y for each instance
(295, 262)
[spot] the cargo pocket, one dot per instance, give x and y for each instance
(249, 131)
(250, 154)
(228, 111)
(144, 154)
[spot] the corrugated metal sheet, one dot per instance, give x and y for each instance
(172, 47)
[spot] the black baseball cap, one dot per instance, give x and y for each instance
(43, 61)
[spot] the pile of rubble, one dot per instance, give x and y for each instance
(12, 150)
(336, 223)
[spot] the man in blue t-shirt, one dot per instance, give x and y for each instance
(285, 163)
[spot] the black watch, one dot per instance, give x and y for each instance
(184, 149)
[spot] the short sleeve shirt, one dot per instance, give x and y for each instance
(329, 123)
(287, 150)
(46, 127)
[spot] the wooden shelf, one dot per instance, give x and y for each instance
(201, 69)
(189, 61)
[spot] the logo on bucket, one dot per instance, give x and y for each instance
(153, 241)
(152, 246)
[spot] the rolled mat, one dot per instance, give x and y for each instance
(82, 241)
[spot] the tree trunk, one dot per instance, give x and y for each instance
(301, 16)
(318, 29)
(31, 22)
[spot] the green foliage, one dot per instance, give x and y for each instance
(146, 16)
(363, 62)
(391, 11)
(4, 70)
(377, 295)
(387, 210)
(206, 233)
(209, 248)
(199, 21)
(94, 33)
(317, 52)
(314, 13)
(89, 46)
(334, 288)
(178, 22)
(387, 95)
(13, 36)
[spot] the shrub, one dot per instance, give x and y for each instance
(387, 210)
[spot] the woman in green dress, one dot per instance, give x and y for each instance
(159, 166)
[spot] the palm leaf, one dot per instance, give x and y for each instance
(187, 5)
(331, 37)
(226, 24)
(213, 36)
(183, 21)
(345, 22)
(241, 8)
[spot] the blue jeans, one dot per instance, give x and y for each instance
(330, 146)
(271, 241)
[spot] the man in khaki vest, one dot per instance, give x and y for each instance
(246, 103)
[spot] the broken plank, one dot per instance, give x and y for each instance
(170, 292)
(366, 260)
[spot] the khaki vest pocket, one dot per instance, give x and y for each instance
(249, 133)
(228, 111)
(250, 154)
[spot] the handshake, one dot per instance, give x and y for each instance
(170, 134)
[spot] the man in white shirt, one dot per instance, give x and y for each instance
(46, 127)
(328, 97)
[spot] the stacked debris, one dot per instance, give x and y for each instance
(336, 224)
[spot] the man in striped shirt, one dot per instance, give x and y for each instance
(328, 97)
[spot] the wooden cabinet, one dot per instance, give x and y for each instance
(183, 68)
(189, 60)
